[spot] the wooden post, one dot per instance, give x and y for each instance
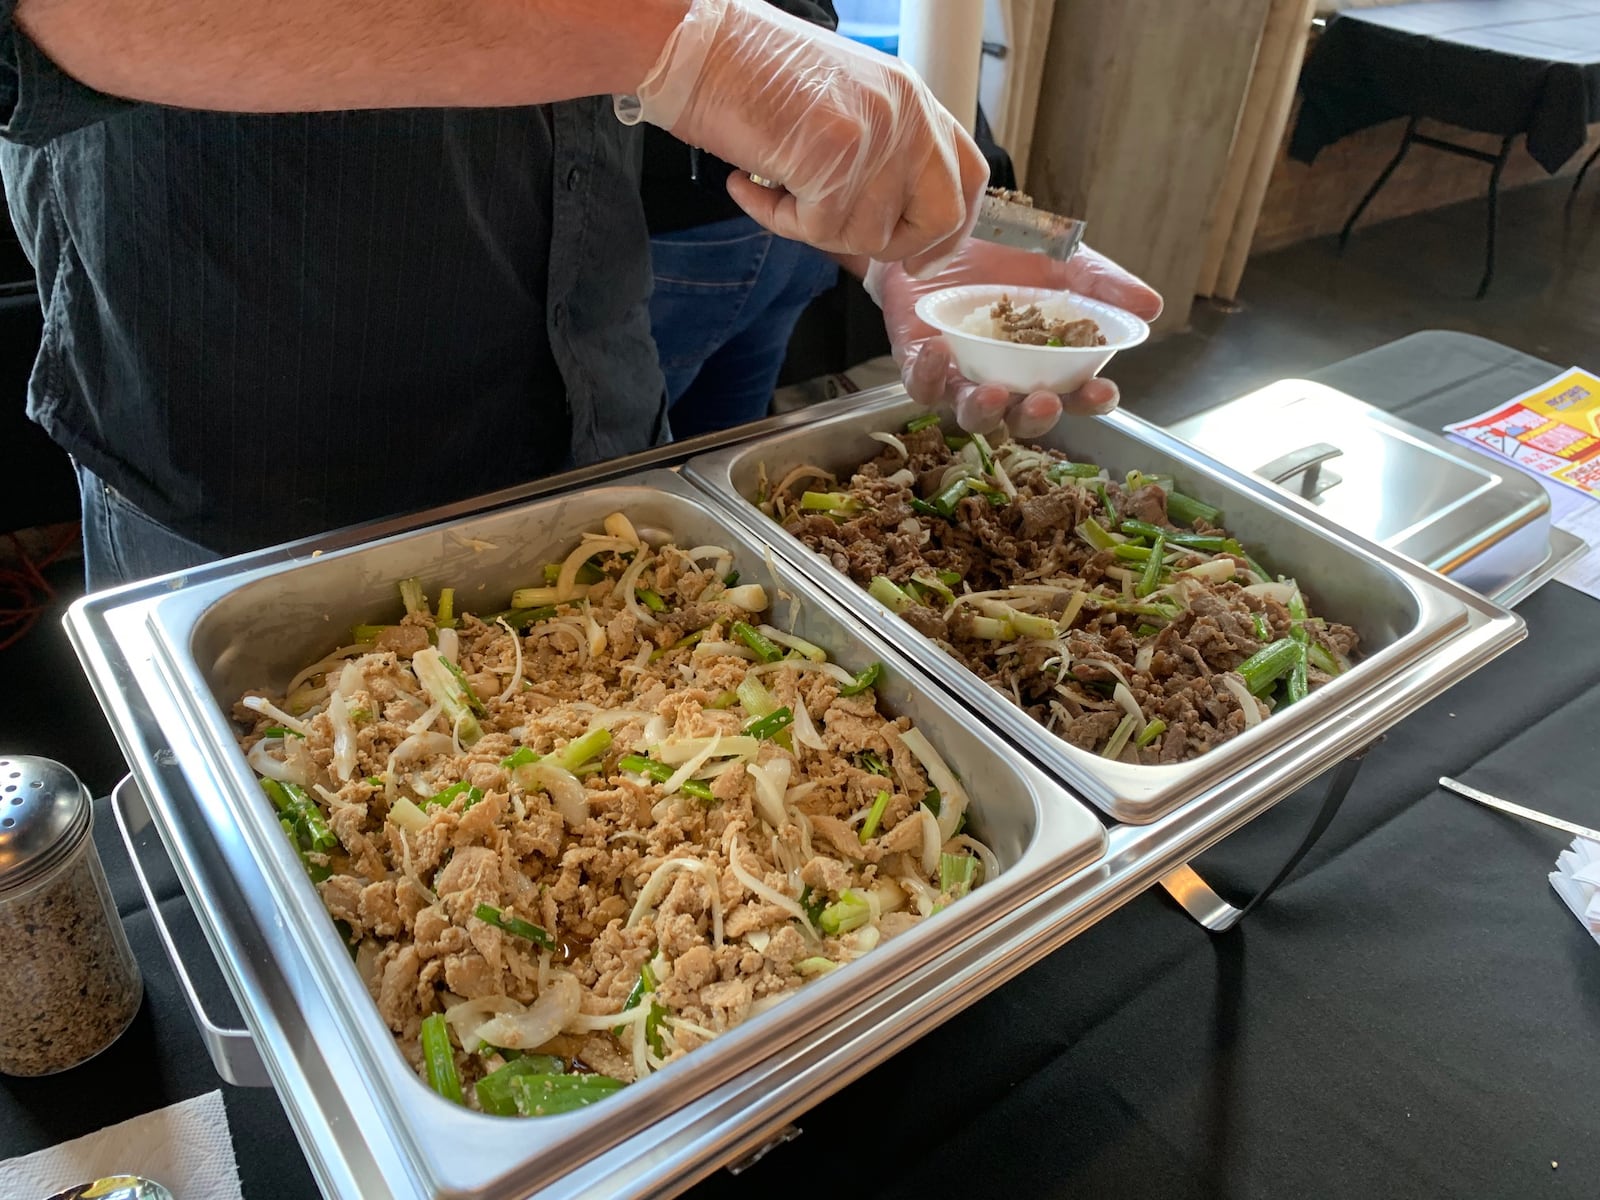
(1138, 108)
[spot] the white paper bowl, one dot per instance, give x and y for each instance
(1020, 368)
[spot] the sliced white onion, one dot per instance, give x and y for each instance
(901, 478)
(811, 651)
(1144, 656)
(566, 792)
(547, 1016)
(1281, 592)
(449, 646)
(567, 581)
(953, 797)
(425, 722)
(932, 841)
(723, 556)
(677, 751)
(618, 526)
(991, 864)
(405, 814)
(686, 772)
(466, 1016)
(595, 631)
(802, 664)
(351, 680)
(612, 717)
(1217, 570)
(266, 708)
(344, 737)
(751, 597)
(1247, 702)
(770, 895)
(629, 584)
(515, 682)
(771, 780)
(593, 1022)
(889, 439)
(1123, 696)
(722, 650)
(805, 733)
(269, 767)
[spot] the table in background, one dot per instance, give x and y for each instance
(1415, 1013)
(1501, 67)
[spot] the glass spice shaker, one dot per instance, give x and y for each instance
(69, 985)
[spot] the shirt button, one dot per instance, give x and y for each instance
(574, 176)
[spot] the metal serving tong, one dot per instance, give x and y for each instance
(1517, 810)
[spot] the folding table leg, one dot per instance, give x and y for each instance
(1494, 215)
(1399, 157)
(1577, 184)
(1201, 902)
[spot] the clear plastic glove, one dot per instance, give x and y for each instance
(868, 161)
(927, 369)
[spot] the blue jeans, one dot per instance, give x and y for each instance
(121, 543)
(727, 296)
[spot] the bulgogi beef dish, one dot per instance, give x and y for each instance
(1054, 325)
(570, 842)
(1118, 613)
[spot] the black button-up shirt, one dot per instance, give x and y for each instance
(260, 327)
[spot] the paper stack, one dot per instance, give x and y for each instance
(1576, 880)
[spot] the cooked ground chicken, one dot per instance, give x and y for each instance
(581, 908)
(1014, 564)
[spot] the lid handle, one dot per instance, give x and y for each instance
(1305, 462)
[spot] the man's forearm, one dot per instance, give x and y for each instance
(319, 55)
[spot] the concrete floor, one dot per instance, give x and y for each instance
(1301, 309)
(1306, 307)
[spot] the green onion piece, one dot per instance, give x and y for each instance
(957, 874)
(945, 501)
(1299, 685)
(548, 1095)
(1128, 552)
(1150, 580)
(815, 965)
(1055, 342)
(956, 441)
(754, 697)
(587, 573)
(1263, 630)
(643, 986)
(925, 421)
(887, 593)
(682, 643)
(374, 780)
(520, 618)
(933, 801)
(1269, 664)
(1096, 534)
(949, 578)
(593, 744)
(923, 509)
(468, 696)
(724, 700)
(829, 502)
(991, 629)
(1145, 630)
(443, 798)
(278, 731)
(368, 633)
(1297, 616)
(522, 756)
(923, 586)
(439, 1058)
(516, 926)
(1151, 732)
(1186, 510)
(359, 716)
(850, 911)
(651, 599)
(869, 761)
(868, 677)
(731, 579)
(447, 609)
(813, 905)
(1119, 737)
(771, 725)
(765, 648)
(1322, 660)
(495, 1092)
(985, 453)
(1064, 471)
(412, 596)
(1105, 503)
(869, 827)
(661, 772)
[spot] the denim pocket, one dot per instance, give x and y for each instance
(703, 283)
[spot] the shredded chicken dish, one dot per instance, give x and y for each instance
(1119, 614)
(570, 842)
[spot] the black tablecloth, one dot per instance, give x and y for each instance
(1414, 1014)
(1493, 66)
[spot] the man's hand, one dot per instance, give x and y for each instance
(927, 369)
(868, 162)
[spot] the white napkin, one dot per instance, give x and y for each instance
(1576, 880)
(185, 1146)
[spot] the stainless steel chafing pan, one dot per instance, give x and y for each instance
(373, 1127)
(1405, 613)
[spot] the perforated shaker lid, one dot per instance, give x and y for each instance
(44, 815)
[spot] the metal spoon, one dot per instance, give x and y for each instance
(115, 1187)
